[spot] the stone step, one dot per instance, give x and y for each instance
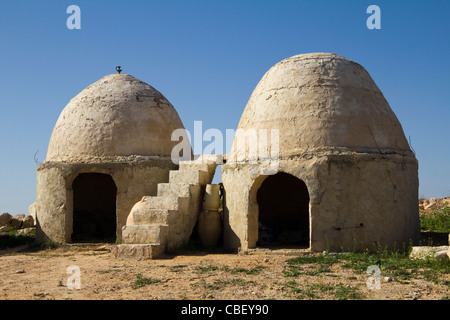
(174, 190)
(154, 216)
(203, 163)
(146, 212)
(189, 177)
(167, 203)
(137, 251)
(183, 190)
(145, 234)
(192, 165)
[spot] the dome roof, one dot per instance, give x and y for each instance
(322, 102)
(117, 116)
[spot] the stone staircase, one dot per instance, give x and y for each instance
(166, 221)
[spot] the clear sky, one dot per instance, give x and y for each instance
(206, 57)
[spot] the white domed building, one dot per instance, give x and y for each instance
(110, 147)
(344, 176)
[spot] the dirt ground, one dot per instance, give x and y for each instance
(42, 274)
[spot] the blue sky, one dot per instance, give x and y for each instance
(206, 57)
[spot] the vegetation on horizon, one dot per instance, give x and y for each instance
(437, 221)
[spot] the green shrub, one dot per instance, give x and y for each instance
(143, 281)
(13, 239)
(437, 221)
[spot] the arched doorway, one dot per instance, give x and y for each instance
(94, 208)
(283, 220)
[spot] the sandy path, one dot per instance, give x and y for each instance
(43, 275)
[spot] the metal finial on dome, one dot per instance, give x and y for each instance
(118, 69)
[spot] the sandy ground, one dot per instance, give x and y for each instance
(43, 274)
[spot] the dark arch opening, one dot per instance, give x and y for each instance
(283, 203)
(94, 208)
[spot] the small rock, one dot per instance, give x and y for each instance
(6, 228)
(32, 210)
(266, 260)
(17, 220)
(432, 205)
(387, 279)
(441, 255)
(5, 219)
(423, 252)
(20, 271)
(448, 251)
(27, 231)
(28, 222)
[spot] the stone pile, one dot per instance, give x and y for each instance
(425, 252)
(434, 203)
(24, 224)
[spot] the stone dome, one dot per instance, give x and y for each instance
(117, 116)
(322, 102)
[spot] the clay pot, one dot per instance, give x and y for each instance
(211, 200)
(209, 228)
